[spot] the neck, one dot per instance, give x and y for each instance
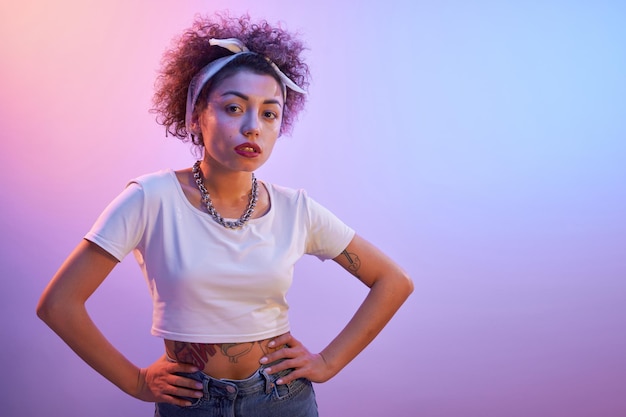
(214, 210)
(224, 184)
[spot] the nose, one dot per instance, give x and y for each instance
(251, 125)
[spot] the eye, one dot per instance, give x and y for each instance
(270, 115)
(233, 108)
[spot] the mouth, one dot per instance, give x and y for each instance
(249, 150)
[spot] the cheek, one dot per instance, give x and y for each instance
(274, 128)
(216, 121)
(269, 147)
(222, 132)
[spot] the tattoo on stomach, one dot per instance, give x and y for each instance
(198, 354)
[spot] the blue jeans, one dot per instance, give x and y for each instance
(256, 396)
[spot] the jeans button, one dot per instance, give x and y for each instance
(231, 389)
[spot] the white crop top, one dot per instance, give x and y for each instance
(210, 284)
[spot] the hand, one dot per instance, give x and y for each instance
(295, 356)
(158, 383)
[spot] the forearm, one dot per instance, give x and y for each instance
(73, 324)
(383, 300)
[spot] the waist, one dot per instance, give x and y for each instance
(221, 360)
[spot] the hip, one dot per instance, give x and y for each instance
(257, 395)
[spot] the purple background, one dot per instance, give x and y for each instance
(481, 144)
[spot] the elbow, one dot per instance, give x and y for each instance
(406, 284)
(44, 309)
(51, 310)
(399, 284)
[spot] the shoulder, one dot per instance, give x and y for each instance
(298, 200)
(162, 178)
(153, 187)
(285, 195)
(155, 183)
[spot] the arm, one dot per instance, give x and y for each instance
(389, 288)
(62, 307)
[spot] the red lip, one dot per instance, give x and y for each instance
(248, 150)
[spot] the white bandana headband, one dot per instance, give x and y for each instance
(205, 74)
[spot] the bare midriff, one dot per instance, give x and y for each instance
(221, 360)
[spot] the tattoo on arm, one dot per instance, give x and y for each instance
(354, 263)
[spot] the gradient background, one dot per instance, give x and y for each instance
(481, 144)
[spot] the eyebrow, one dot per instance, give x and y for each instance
(245, 97)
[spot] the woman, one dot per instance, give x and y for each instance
(217, 247)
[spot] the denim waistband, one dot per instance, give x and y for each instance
(260, 381)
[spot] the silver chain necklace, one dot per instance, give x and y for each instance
(206, 199)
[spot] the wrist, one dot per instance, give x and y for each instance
(331, 368)
(135, 383)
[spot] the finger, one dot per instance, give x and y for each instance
(285, 365)
(188, 393)
(181, 402)
(275, 356)
(184, 382)
(285, 339)
(183, 367)
(291, 376)
(178, 395)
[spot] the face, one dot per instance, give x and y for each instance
(241, 121)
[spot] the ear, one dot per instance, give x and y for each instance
(195, 125)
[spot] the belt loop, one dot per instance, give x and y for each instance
(205, 388)
(269, 383)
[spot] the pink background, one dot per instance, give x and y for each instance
(481, 144)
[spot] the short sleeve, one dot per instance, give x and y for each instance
(119, 228)
(328, 235)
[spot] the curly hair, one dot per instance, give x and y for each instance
(192, 51)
